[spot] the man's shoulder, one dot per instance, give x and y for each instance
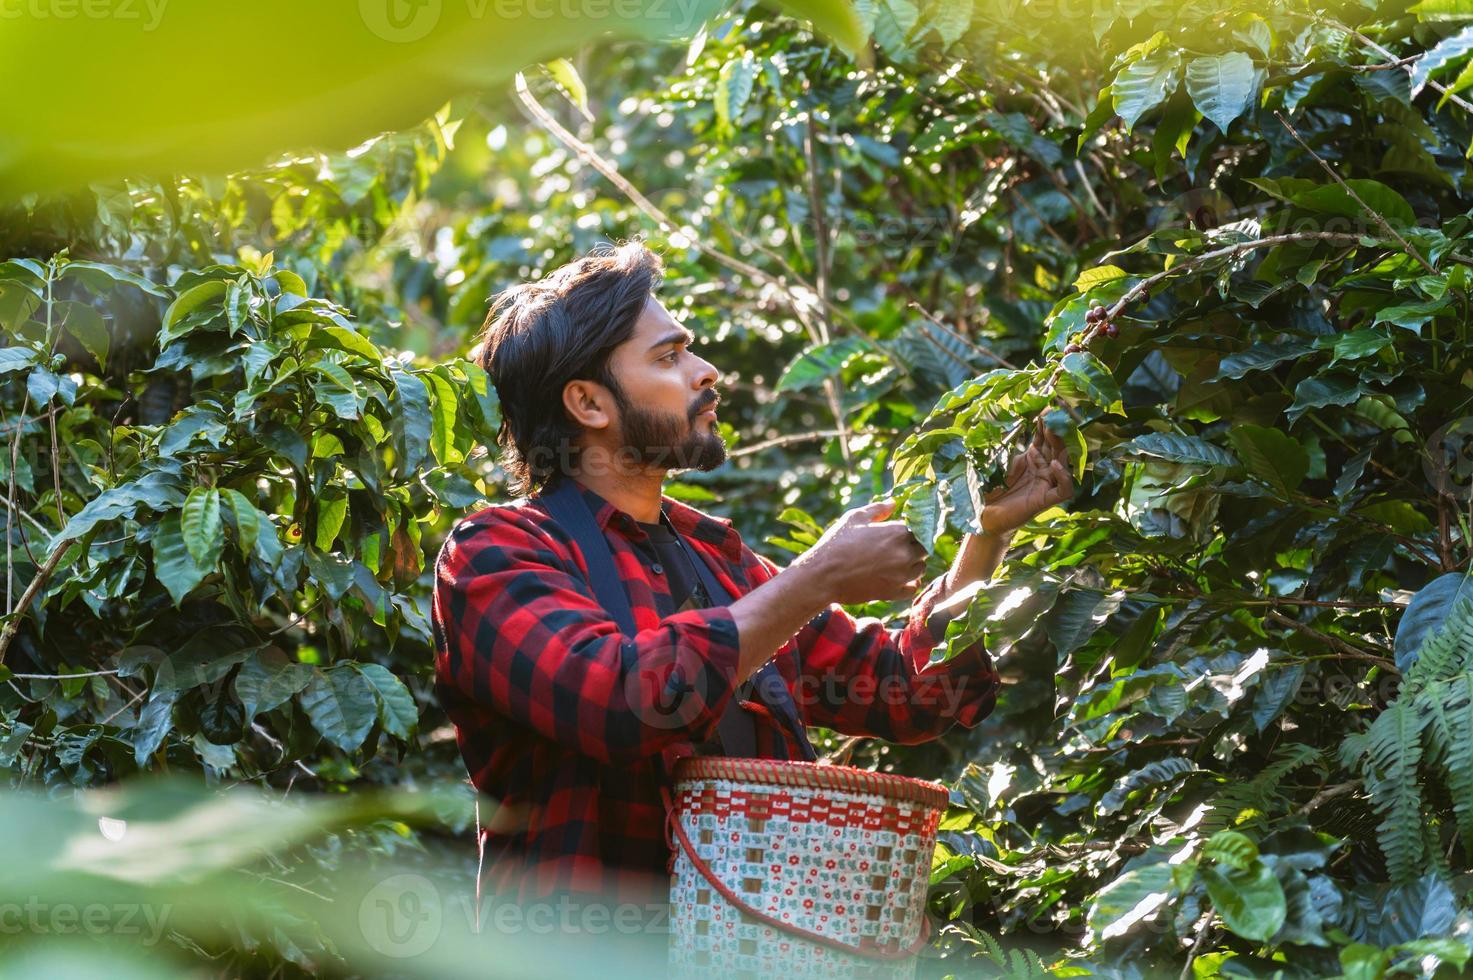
(507, 524)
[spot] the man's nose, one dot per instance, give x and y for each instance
(708, 375)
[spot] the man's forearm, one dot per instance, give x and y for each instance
(769, 615)
(976, 560)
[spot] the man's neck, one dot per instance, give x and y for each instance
(636, 494)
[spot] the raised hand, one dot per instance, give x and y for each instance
(1038, 478)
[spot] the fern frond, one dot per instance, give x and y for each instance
(1261, 792)
(1448, 706)
(1393, 750)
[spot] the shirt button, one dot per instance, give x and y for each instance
(657, 568)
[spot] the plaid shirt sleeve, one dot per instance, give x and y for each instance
(859, 678)
(525, 637)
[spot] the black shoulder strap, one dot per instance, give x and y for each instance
(565, 503)
(568, 507)
(738, 736)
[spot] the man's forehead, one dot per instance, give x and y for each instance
(654, 322)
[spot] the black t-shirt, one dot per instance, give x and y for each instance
(663, 553)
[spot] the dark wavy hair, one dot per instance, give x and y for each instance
(563, 327)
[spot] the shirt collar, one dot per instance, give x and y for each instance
(687, 520)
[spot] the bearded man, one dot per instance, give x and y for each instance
(571, 723)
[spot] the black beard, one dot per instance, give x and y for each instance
(661, 440)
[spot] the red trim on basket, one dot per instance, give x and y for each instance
(675, 832)
(778, 772)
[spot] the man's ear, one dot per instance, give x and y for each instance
(589, 404)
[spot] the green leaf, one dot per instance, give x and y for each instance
(173, 564)
(733, 89)
(1360, 961)
(397, 710)
(562, 71)
(337, 389)
(155, 722)
(950, 20)
(1413, 315)
(1145, 84)
(890, 23)
(445, 406)
(1176, 448)
(1399, 515)
(343, 339)
(412, 422)
(200, 523)
(1359, 344)
(1445, 51)
(1335, 199)
(243, 517)
(189, 301)
(17, 359)
(268, 679)
(922, 514)
(1261, 357)
(1231, 848)
(99, 277)
(818, 363)
(1097, 276)
(342, 705)
(1427, 611)
(86, 324)
(1250, 901)
(1318, 392)
(332, 511)
(1096, 380)
(1222, 86)
(1127, 900)
(1076, 616)
(1271, 455)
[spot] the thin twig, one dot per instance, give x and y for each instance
(1205, 927)
(1375, 215)
(1398, 63)
(1345, 649)
(1456, 100)
(65, 677)
(1330, 793)
(978, 348)
(136, 698)
(788, 439)
(42, 574)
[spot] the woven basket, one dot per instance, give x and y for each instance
(797, 869)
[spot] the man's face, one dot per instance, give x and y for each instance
(664, 392)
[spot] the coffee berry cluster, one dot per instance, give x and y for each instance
(1096, 314)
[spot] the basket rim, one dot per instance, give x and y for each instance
(784, 772)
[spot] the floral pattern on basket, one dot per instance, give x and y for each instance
(853, 866)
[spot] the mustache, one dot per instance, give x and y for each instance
(710, 403)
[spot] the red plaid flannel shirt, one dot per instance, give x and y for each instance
(571, 726)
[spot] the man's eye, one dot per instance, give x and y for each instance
(671, 356)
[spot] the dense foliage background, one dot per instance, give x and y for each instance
(1236, 734)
